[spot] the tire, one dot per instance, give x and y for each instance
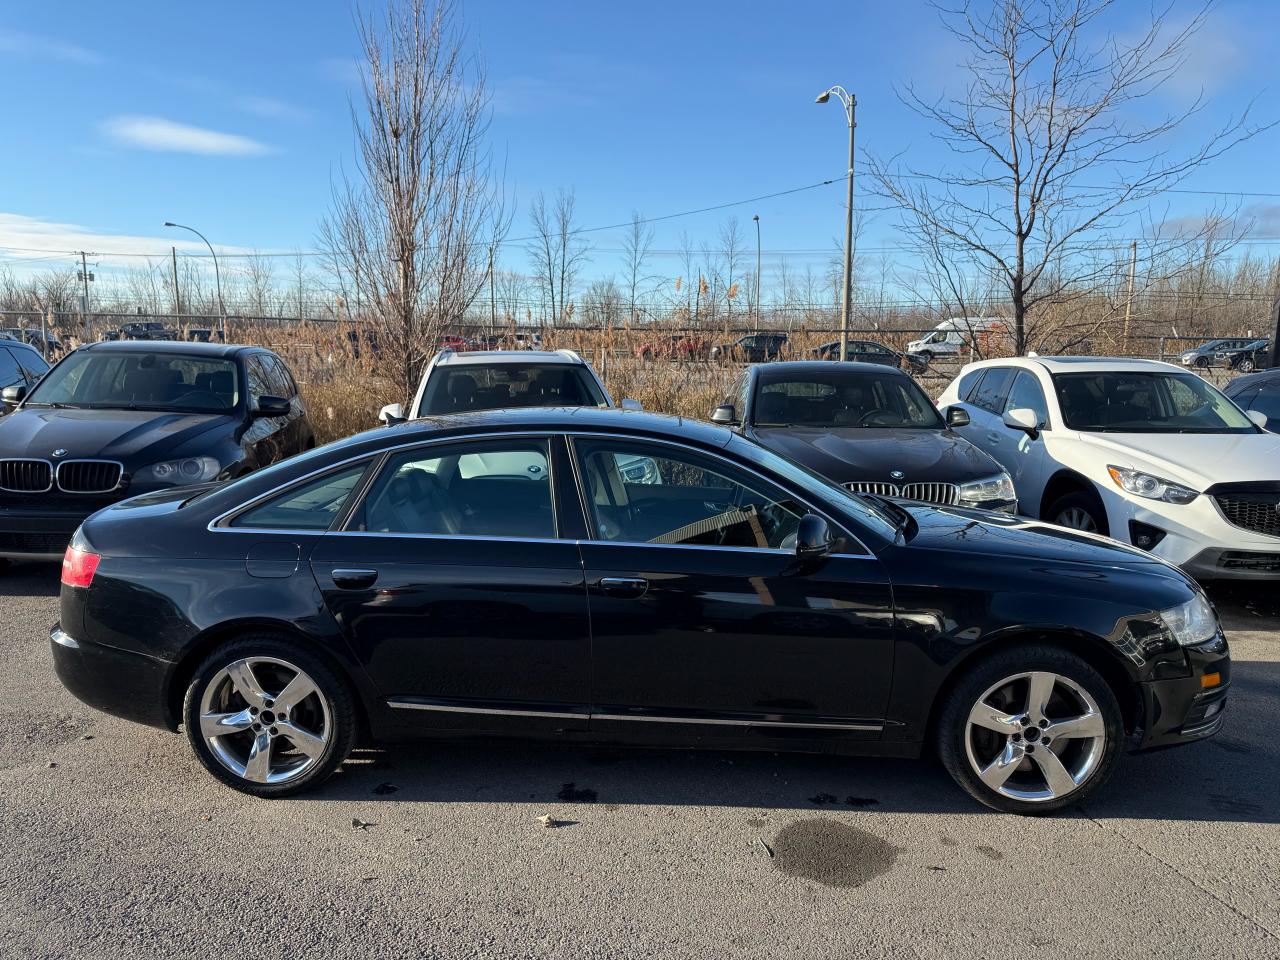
(1201, 362)
(1245, 365)
(1011, 769)
(1070, 510)
(305, 747)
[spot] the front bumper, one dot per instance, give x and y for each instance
(118, 682)
(38, 534)
(1183, 710)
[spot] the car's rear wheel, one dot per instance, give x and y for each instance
(1245, 365)
(1079, 511)
(266, 716)
(1031, 730)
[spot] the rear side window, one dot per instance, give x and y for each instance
(312, 506)
(990, 393)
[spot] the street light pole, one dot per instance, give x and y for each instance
(217, 277)
(756, 218)
(850, 104)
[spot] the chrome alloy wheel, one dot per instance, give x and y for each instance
(1077, 518)
(265, 720)
(1035, 736)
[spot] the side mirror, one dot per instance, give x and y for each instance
(628, 404)
(13, 395)
(392, 414)
(1257, 416)
(958, 417)
(725, 413)
(813, 537)
(1023, 419)
(269, 406)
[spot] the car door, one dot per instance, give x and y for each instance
(985, 397)
(703, 621)
(455, 589)
(1021, 454)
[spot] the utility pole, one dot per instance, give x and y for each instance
(1128, 301)
(850, 104)
(493, 315)
(1275, 340)
(756, 218)
(177, 297)
(85, 277)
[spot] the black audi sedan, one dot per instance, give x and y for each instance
(115, 419)
(496, 574)
(867, 427)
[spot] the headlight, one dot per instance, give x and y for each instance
(188, 470)
(1152, 488)
(1191, 622)
(999, 487)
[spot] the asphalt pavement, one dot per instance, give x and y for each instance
(116, 844)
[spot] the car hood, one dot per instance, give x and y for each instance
(134, 437)
(1197, 459)
(979, 532)
(846, 454)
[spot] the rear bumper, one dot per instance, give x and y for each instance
(1182, 709)
(118, 682)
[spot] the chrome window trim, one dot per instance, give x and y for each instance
(218, 523)
(57, 475)
(52, 472)
(221, 523)
(398, 704)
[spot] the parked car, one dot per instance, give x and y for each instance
(20, 366)
(111, 420)
(956, 334)
(42, 340)
(450, 341)
(205, 335)
(868, 351)
(1208, 352)
(751, 348)
(147, 330)
(867, 428)
(393, 586)
(675, 346)
(1258, 393)
(491, 379)
(510, 341)
(1254, 355)
(1138, 450)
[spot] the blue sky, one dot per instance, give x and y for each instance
(233, 117)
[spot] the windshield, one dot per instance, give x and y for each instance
(1141, 402)
(845, 399)
(140, 381)
(481, 387)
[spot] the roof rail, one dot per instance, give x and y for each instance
(570, 355)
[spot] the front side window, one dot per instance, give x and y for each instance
(311, 506)
(842, 398)
(479, 489)
(480, 387)
(94, 380)
(33, 365)
(645, 493)
(1129, 401)
(1025, 394)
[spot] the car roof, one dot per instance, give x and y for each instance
(177, 347)
(1080, 364)
(1252, 380)
(473, 357)
(786, 369)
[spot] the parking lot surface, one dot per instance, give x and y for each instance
(115, 843)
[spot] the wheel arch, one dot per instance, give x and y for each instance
(1089, 648)
(206, 642)
(1065, 481)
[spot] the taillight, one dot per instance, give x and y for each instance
(78, 567)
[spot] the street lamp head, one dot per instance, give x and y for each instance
(756, 218)
(168, 224)
(823, 97)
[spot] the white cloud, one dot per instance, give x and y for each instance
(157, 133)
(21, 44)
(30, 238)
(271, 108)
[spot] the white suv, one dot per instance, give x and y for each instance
(1141, 451)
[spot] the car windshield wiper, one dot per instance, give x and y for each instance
(55, 404)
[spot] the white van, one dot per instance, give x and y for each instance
(954, 334)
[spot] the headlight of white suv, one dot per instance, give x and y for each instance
(1191, 622)
(1150, 487)
(187, 470)
(999, 487)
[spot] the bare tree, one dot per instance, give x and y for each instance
(637, 244)
(259, 281)
(407, 232)
(557, 251)
(1059, 145)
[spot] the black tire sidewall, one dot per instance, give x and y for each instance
(332, 687)
(1087, 501)
(952, 725)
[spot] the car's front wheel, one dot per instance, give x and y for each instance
(1201, 362)
(1245, 365)
(268, 717)
(1079, 511)
(1031, 730)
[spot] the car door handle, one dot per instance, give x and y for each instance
(348, 579)
(630, 588)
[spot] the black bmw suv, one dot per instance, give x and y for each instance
(116, 419)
